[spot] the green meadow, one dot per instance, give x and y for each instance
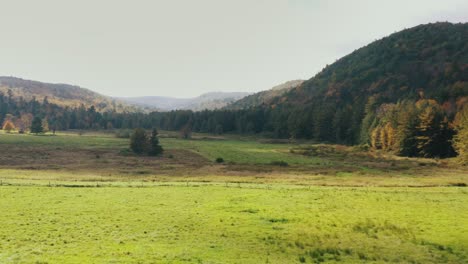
(76, 198)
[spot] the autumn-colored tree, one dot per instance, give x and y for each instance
(45, 125)
(8, 126)
(26, 120)
(461, 139)
(376, 142)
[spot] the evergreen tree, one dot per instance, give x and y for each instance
(139, 141)
(36, 125)
(155, 148)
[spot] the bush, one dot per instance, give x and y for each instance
(280, 163)
(125, 152)
(219, 160)
(139, 141)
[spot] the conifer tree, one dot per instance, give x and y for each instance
(155, 148)
(36, 125)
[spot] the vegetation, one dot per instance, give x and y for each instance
(36, 125)
(181, 208)
(171, 224)
(461, 139)
(399, 94)
(8, 126)
(140, 143)
(59, 94)
(232, 196)
(155, 148)
(265, 97)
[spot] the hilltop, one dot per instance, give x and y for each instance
(264, 97)
(207, 101)
(60, 94)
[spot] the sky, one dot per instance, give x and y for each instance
(186, 48)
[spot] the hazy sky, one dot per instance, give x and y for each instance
(185, 48)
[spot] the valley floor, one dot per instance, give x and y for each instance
(86, 199)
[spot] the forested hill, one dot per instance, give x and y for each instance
(264, 97)
(60, 94)
(425, 61)
(399, 93)
(406, 93)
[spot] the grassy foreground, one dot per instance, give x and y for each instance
(84, 199)
(205, 224)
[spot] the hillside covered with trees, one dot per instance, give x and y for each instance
(264, 97)
(406, 93)
(60, 94)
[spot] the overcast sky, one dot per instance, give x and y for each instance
(185, 48)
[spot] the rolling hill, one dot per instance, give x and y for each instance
(264, 97)
(429, 61)
(61, 94)
(209, 101)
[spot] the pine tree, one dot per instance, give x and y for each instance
(36, 126)
(406, 144)
(155, 148)
(433, 132)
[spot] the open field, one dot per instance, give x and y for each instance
(86, 199)
(233, 225)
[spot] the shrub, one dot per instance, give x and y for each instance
(280, 163)
(125, 152)
(138, 141)
(219, 160)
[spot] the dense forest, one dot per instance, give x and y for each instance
(406, 93)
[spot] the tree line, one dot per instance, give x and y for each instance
(417, 128)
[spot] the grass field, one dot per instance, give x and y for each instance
(85, 199)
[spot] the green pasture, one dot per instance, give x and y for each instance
(156, 211)
(209, 224)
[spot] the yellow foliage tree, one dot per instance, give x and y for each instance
(8, 126)
(375, 138)
(461, 139)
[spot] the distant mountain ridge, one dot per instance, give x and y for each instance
(60, 94)
(207, 101)
(264, 97)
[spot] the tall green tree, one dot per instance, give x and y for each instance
(36, 125)
(139, 141)
(155, 148)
